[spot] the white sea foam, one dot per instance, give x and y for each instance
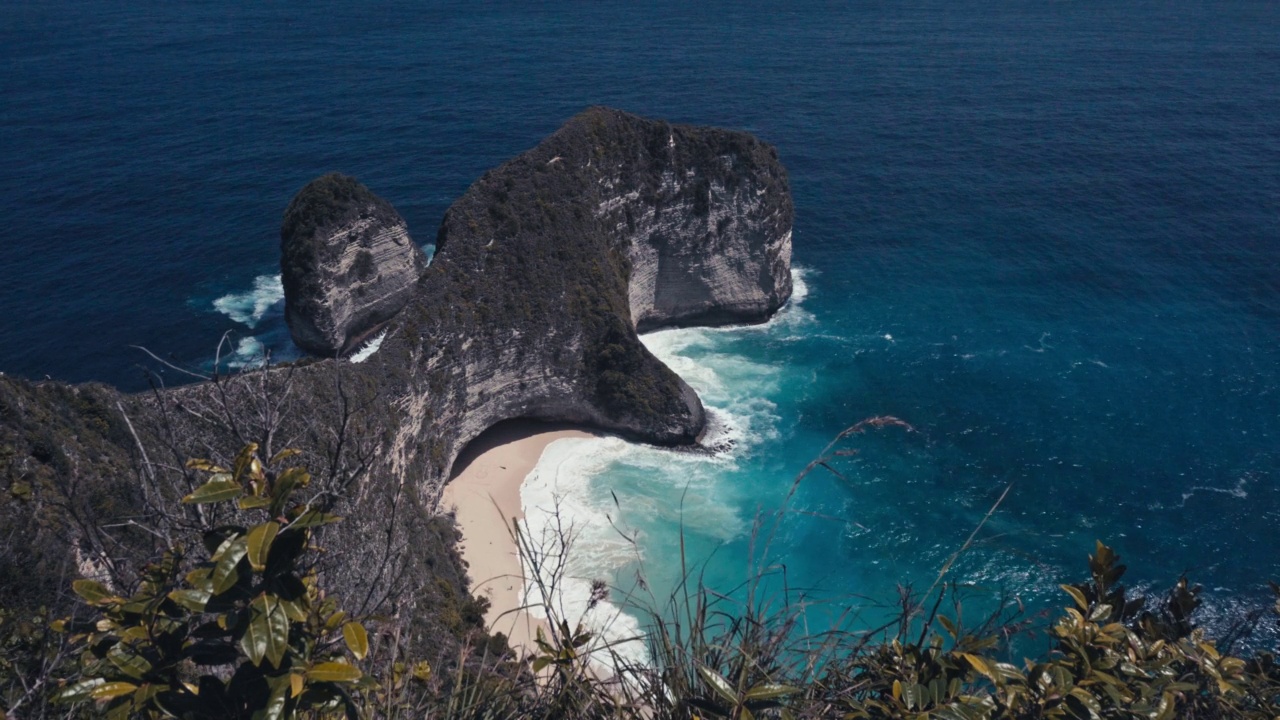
(369, 348)
(249, 353)
(1238, 491)
(1044, 347)
(264, 302)
(799, 283)
(560, 509)
(563, 498)
(251, 306)
(569, 494)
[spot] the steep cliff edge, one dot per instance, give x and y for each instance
(705, 216)
(702, 215)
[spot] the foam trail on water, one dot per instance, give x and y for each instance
(251, 306)
(1238, 491)
(586, 490)
(249, 353)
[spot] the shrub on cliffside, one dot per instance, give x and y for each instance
(244, 633)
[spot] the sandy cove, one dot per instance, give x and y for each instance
(484, 492)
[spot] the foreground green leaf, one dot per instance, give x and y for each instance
(128, 661)
(193, 600)
(770, 691)
(260, 538)
(94, 592)
(106, 691)
(214, 491)
(205, 465)
(356, 638)
(225, 574)
(267, 634)
(333, 672)
(718, 684)
(79, 692)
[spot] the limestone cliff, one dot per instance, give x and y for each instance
(548, 264)
(705, 216)
(347, 263)
(545, 268)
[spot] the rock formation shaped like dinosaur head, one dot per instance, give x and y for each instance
(347, 263)
(549, 264)
(545, 270)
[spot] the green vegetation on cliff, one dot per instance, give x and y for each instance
(91, 483)
(326, 201)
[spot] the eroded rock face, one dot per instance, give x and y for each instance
(347, 262)
(545, 270)
(705, 215)
(548, 264)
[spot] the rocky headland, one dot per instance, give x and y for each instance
(545, 270)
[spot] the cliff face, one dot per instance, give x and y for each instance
(347, 263)
(705, 216)
(547, 266)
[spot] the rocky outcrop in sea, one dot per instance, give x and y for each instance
(347, 263)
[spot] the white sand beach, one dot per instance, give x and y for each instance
(485, 493)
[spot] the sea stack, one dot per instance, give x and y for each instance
(703, 215)
(347, 263)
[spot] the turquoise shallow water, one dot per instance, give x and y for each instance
(1045, 234)
(1077, 460)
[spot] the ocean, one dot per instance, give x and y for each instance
(1044, 234)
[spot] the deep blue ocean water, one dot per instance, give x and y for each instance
(1045, 233)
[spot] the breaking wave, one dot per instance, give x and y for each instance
(620, 503)
(250, 307)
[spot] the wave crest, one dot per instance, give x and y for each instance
(250, 307)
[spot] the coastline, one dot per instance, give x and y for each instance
(484, 493)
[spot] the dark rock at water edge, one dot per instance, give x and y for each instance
(347, 263)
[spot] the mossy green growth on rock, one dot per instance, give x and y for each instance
(329, 200)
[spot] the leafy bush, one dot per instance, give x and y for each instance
(243, 633)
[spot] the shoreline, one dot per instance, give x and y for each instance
(484, 494)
